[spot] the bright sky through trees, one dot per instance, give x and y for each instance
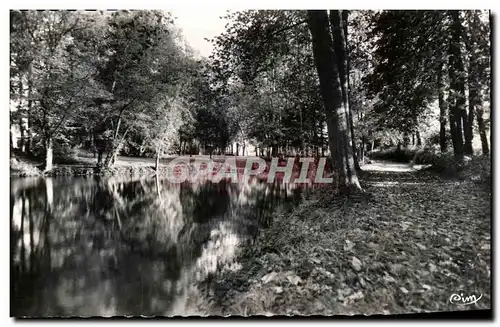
(196, 25)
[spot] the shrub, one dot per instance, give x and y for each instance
(394, 154)
(22, 168)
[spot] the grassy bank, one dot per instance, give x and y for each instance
(81, 165)
(442, 163)
(407, 248)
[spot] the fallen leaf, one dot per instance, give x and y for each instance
(427, 287)
(396, 267)
(356, 264)
(269, 277)
(294, 279)
(485, 247)
(420, 246)
(348, 246)
(353, 297)
(278, 290)
(389, 278)
(404, 290)
(315, 260)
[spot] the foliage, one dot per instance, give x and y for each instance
(80, 76)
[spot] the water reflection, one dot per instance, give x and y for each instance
(115, 246)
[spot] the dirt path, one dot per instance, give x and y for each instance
(411, 245)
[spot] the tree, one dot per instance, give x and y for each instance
(456, 70)
(140, 60)
(442, 108)
(59, 73)
(162, 127)
(477, 46)
(339, 31)
(331, 90)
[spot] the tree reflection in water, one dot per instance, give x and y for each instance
(94, 246)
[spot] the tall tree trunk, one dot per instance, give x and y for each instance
(48, 153)
(476, 71)
(331, 90)
(419, 140)
(442, 109)
(482, 131)
(112, 151)
(362, 149)
(338, 24)
(21, 116)
(157, 162)
(474, 89)
(345, 19)
(468, 128)
(457, 86)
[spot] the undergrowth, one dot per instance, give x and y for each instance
(406, 249)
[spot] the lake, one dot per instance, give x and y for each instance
(105, 246)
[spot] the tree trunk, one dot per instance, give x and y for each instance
(457, 86)
(157, 163)
(338, 25)
(442, 109)
(112, 152)
(274, 151)
(419, 140)
(345, 16)
(468, 128)
(482, 131)
(20, 113)
(111, 156)
(362, 149)
(472, 85)
(331, 90)
(48, 154)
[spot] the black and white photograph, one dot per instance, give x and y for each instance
(219, 162)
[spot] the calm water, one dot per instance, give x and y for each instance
(120, 246)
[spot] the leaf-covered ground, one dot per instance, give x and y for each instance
(410, 244)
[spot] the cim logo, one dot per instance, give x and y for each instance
(466, 300)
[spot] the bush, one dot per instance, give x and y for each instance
(478, 170)
(394, 154)
(22, 168)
